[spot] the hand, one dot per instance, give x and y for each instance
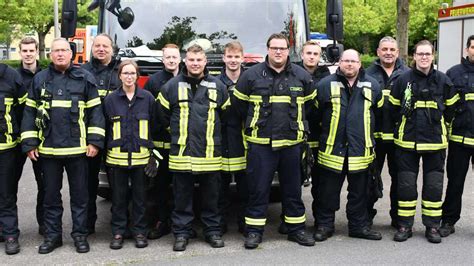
(42, 118)
(33, 154)
(151, 169)
(92, 150)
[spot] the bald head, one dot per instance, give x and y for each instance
(349, 64)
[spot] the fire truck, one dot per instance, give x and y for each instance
(456, 24)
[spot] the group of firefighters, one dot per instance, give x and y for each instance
(188, 126)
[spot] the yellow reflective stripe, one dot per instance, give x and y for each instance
(462, 139)
(384, 136)
(295, 220)
(163, 101)
(285, 142)
(8, 145)
(183, 117)
(253, 122)
(432, 213)
(226, 104)
(96, 130)
(195, 164)
(8, 101)
(241, 96)
(360, 162)
(93, 102)
(143, 129)
(401, 131)
(31, 103)
(162, 144)
(8, 121)
(331, 161)
(431, 146)
(380, 102)
(254, 221)
(367, 128)
(444, 132)
(411, 203)
(124, 162)
(116, 130)
(276, 99)
(426, 104)
(82, 125)
(313, 144)
(211, 116)
(393, 100)
(311, 96)
(386, 93)
(143, 154)
(102, 92)
(234, 164)
(62, 151)
(257, 140)
(299, 119)
(469, 97)
(29, 134)
(23, 98)
(336, 112)
(452, 100)
(431, 204)
(406, 213)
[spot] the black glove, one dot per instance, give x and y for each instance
(375, 179)
(151, 169)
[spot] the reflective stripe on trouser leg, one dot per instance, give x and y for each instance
(433, 173)
(408, 163)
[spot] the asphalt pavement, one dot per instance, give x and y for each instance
(457, 249)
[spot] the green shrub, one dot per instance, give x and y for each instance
(367, 60)
(16, 63)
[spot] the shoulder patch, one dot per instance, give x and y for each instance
(296, 89)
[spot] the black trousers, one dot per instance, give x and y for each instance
(315, 184)
(382, 150)
(262, 162)
(119, 180)
(225, 197)
(76, 169)
(94, 164)
(8, 193)
(330, 185)
(459, 157)
(183, 215)
(158, 196)
(21, 159)
(432, 191)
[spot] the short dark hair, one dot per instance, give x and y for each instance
(468, 43)
(28, 40)
(278, 36)
(424, 42)
(126, 63)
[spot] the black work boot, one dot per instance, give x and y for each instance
(402, 234)
(180, 243)
(323, 233)
(302, 238)
(366, 233)
(140, 241)
(432, 234)
(12, 246)
(252, 240)
(215, 241)
(49, 245)
(81, 244)
(117, 242)
(446, 229)
(283, 229)
(161, 229)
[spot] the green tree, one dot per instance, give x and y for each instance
(9, 29)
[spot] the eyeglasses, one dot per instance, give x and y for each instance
(129, 73)
(347, 61)
(60, 51)
(276, 49)
(424, 54)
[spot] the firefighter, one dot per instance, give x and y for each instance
(158, 210)
(28, 68)
(346, 103)
(12, 99)
(270, 97)
(422, 101)
(311, 55)
(63, 124)
(386, 69)
(190, 105)
(103, 66)
(461, 139)
(233, 146)
(129, 112)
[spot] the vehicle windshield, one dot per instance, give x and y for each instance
(210, 23)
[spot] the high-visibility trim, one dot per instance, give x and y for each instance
(254, 221)
(62, 151)
(9, 101)
(311, 96)
(367, 105)
(61, 104)
(234, 164)
(384, 136)
(295, 220)
(444, 132)
(299, 120)
(31, 103)
(226, 104)
(431, 146)
(116, 130)
(380, 102)
(241, 96)
(195, 164)
(426, 104)
(406, 204)
(8, 121)
(122, 162)
(82, 126)
(143, 129)
(253, 122)
(163, 101)
(394, 100)
(102, 92)
(93, 102)
(285, 142)
(331, 161)
(162, 144)
(432, 213)
(8, 145)
(313, 144)
(275, 99)
(469, 97)
(23, 98)
(143, 154)
(406, 213)
(29, 134)
(257, 140)
(183, 115)
(453, 100)
(386, 93)
(431, 204)
(462, 139)
(96, 130)
(211, 116)
(336, 113)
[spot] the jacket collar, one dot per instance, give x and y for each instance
(193, 80)
(467, 64)
(138, 93)
(285, 69)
